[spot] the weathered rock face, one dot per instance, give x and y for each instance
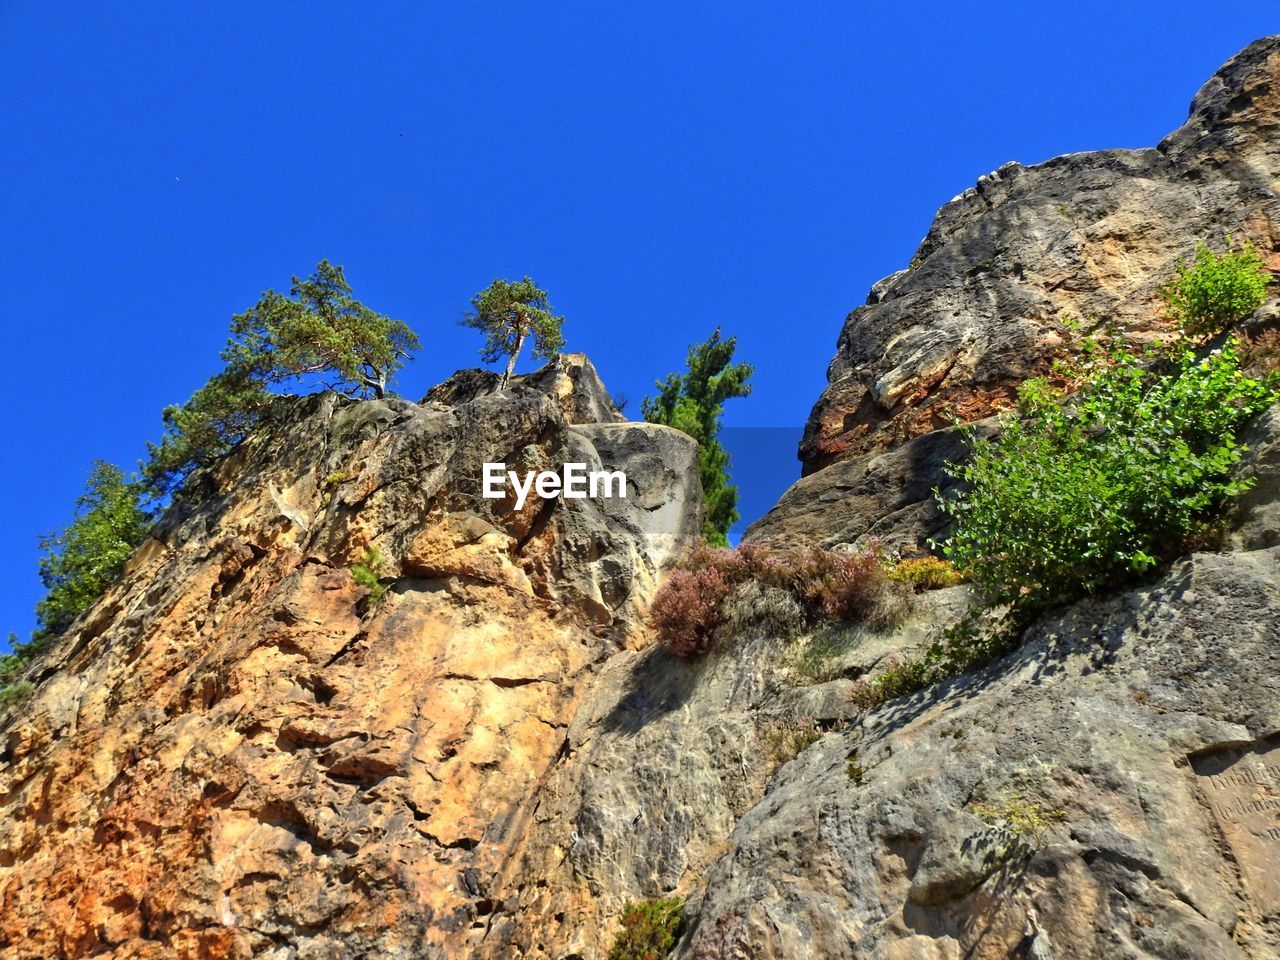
(1140, 729)
(1112, 789)
(1092, 235)
(569, 378)
(238, 752)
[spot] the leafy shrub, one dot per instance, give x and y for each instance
(1216, 290)
(692, 610)
(648, 931)
(926, 573)
(1068, 499)
(367, 571)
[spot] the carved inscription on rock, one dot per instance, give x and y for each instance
(1243, 790)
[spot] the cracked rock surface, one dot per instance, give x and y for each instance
(237, 752)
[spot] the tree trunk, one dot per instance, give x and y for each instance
(511, 362)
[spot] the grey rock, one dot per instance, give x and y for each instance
(885, 497)
(1092, 235)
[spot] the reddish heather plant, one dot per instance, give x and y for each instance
(686, 611)
(1260, 352)
(689, 609)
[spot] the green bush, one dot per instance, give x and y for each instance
(1215, 290)
(367, 572)
(1070, 499)
(13, 694)
(77, 566)
(648, 930)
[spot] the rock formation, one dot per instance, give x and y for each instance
(1092, 236)
(240, 751)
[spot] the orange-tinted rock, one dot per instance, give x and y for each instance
(237, 750)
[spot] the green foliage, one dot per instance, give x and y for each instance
(966, 646)
(77, 566)
(648, 931)
(14, 693)
(694, 403)
(509, 313)
(80, 562)
(217, 417)
(926, 573)
(1070, 499)
(319, 329)
(1216, 290)
(367, 572)
(19, 657)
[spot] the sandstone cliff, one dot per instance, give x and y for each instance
(239, 752)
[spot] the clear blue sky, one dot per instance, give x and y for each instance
(660, 167)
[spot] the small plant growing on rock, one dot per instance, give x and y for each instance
(367, 572)
(1216, 290)
(785, 738)
(965, 646)
(1023, 823)
(926, 573)
(649, 930)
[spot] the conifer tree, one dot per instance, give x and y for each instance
(509, 314)
(694, 403)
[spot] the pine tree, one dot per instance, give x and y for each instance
(509, 313)
(694, 403)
